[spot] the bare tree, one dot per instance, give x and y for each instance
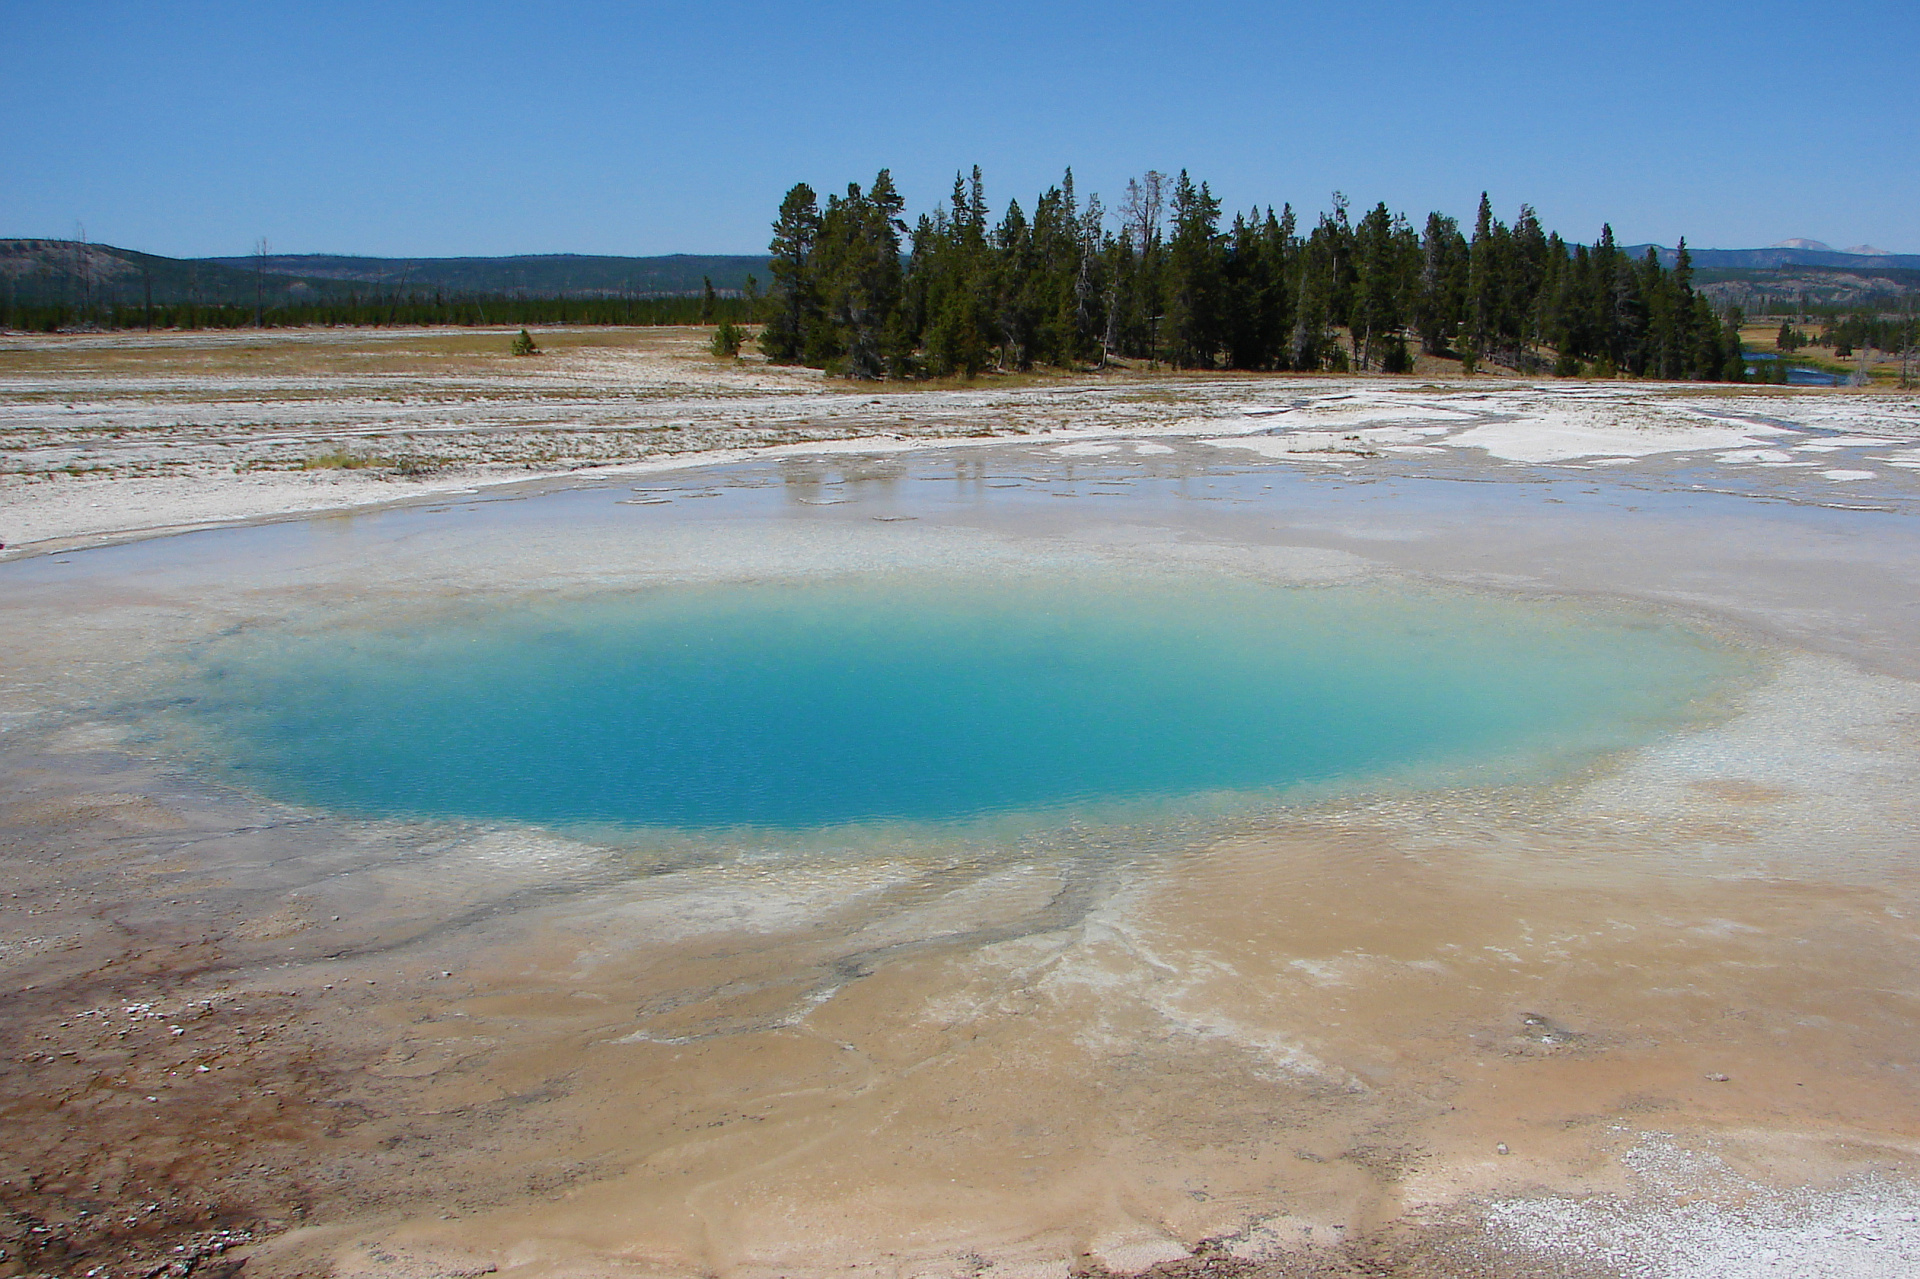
(260, 250)
(1140, 211)
(83, 268)
(1906, 350)
(1085, 288)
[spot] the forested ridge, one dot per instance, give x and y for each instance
(49, 285)
(856, 290)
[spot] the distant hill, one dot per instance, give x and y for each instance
(529, 275)
(1794, 272)
(1862, 250)
(71, 282)
(66, 272)
(1788, 253)
(1786, 289)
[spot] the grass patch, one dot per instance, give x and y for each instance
(341, 460)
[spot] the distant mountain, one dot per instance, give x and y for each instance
(81, 278)
(67, 272)
(70, 273)
(1861, 250)
(1787, 254)
(529, 275)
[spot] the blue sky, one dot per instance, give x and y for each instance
(543, 126)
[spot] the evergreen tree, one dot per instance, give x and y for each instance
(795, 299)
(1443, 284)
(1014, 316)
(1528, 274)
(1485, 282)
(859, 276)
(1252, 292)
(1193, 276)
(1387, 263)
(1324, 292)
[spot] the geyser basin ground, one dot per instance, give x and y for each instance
(1652, 955)
(917, 699)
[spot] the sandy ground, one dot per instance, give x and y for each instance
(1656, 1019)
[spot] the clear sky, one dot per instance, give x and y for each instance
(542, 126)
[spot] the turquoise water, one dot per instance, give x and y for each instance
(918, 699)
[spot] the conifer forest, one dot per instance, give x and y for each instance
(858, 291)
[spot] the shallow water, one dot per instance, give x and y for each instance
(926, 699)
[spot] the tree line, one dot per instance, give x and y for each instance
(1895, 333)
(856, 290)
(403, 309)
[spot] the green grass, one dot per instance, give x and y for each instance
(341, 460)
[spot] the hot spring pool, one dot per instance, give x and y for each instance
(926, 699)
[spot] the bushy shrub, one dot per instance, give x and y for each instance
(523, 344)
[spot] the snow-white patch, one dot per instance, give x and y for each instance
(1763, 457)
(1870, 1228)
(1085, 448)
(1351, 443)
(1845, 475)
(1557, 436)
(1833, 442)
(1306, 446)
(1321, 972)
(1131, 1252)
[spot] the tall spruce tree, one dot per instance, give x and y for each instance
(1443, 284)
(1485, 285)
(794, 305)
(858, 273)
(1193, 276)
(1386, 258)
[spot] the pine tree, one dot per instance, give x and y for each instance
(795, 301)
(860, 281)
(1193, 276)
(1246, 294)
(1387, 262)
(1484, 282)
(1528, 273)
(1443, 284)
